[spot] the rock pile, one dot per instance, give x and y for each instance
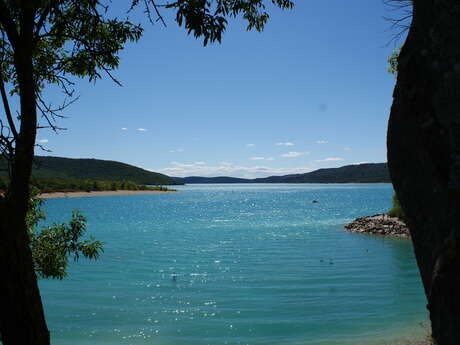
(380, 224)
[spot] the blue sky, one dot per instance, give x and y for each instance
(311, 91)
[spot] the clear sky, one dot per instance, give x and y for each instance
(311, 91)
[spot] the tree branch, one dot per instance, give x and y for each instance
(6, 106)
(41, 22)
(155, 6)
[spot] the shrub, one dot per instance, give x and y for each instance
(396, 210)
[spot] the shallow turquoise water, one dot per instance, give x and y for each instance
(255, 264)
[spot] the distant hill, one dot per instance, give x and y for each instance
(358, 173)
(46, 167)
(219, 179)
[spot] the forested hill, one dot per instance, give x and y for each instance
(358, 173)
(46, 167)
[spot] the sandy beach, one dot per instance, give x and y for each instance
(56, 195)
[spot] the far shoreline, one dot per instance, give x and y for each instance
(82, 194)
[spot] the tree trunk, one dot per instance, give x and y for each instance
(22, 320)
(424, 155)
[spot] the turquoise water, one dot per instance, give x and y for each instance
(255, 264)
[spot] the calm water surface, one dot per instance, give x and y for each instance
(255, 264)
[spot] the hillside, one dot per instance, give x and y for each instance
(46, 167)
(219, 179)
(360, 173)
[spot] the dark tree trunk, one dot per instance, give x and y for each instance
(424, 155)
(22, 320)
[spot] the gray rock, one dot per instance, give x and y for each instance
(380, 224)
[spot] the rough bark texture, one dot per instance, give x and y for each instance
(424, 155)
(22, 319)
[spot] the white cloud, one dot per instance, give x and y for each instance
(250, 145)
(262, 158)
(182, 165)
(124, 128)
(228, 169)
(187, 165)
(293, 154)
(142, 129)
(322, 142)
(285, 144)
(42, 141)
(331, 159)
(359, 163)
(347, 148)
(176, 150)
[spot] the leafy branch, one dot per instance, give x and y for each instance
(52, 246)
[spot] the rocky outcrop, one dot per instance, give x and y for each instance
(379, 224)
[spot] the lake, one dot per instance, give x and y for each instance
(247, 264)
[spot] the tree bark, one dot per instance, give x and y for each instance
(424, 155)
(22, 320)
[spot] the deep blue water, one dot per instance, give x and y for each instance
(255, 264)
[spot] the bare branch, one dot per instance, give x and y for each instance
(51, 114)
(157, 11)
(400, 19)
(148, 12)
(6, 145)
(43, 148)
(6, 106)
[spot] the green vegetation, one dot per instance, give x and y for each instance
(57, 168)
(396, 210)
(75, 185)
(356, 173)
(51, 174)
(69, 185)
(53, 245)
(393, 61)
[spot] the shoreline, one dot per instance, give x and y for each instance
(379, 224)
(81, 194)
